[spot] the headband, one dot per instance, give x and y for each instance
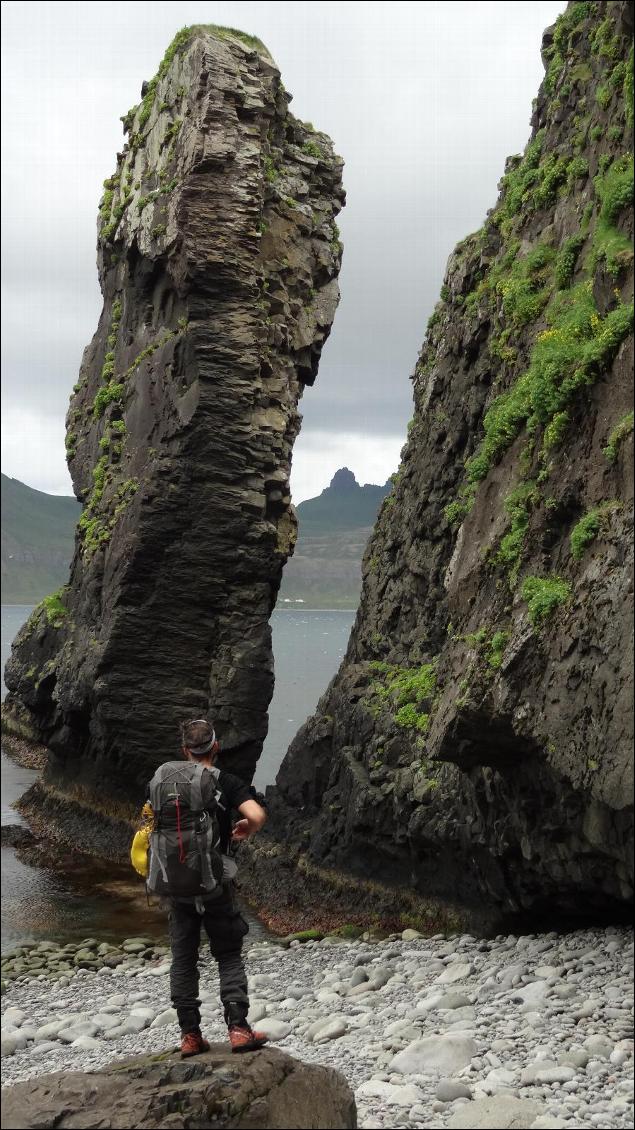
(204, 747)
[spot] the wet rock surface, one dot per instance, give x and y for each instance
(218, 260)
(476, 744)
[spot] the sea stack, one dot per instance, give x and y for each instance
(477, 743)
(218, 257)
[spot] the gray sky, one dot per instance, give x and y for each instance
(423, 100)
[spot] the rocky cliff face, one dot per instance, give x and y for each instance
(218, 260)
(477, 741)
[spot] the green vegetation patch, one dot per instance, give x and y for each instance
(496, 649)
(54, 608)
(348, 930)
(305, 936)
(109, 230)
(403, 691)
(527, 288)
(594, 522)
(555, 431)
(628, 90)
(96, 524)
(271, 171)
(518, 504)
(519, 180)
(108, 368)
(456, 511)
(614, 188)
(112, 393)
(603, 95)
(490, 645)
(543, 595)
(312, 149)
(534, 182)
(622, 429)
(566, 25)
(567, 259)
(577, 346)
(605, 41)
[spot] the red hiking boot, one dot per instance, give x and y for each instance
(193, 1043)
(243, 1038)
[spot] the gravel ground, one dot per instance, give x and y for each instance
(430, 1032)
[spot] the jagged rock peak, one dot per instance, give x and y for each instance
(477, 742)
(343, 481)
(218, 259)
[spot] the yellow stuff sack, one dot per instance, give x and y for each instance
(139, 852)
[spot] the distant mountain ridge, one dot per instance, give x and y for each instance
(325, 570)
(38, 533)
(342, 505)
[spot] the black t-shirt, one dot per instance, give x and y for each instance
(234, 792)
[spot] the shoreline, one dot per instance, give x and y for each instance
(315, 610)
(27, 604)
(27, 754)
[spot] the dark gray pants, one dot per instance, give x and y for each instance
(225, 928)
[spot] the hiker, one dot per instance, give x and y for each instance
(187, 825)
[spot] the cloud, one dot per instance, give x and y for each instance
(31, 443)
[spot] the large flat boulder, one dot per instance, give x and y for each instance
(266, 1090)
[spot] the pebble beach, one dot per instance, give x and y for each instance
(458, 1031)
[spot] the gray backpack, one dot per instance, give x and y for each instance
(185, 857)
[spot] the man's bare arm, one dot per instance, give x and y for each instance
(253, 818)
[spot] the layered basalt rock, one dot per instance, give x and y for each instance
(477, 741)
(218, 259)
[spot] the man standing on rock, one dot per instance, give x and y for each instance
(189, 818)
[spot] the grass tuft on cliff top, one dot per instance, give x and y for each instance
(232, 33)
(181, 40)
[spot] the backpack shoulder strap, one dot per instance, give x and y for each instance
(218, 796)
(154, 788)
(196, 784)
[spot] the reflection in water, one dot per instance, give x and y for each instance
(108, 902)
(38, 904)
(102, 901)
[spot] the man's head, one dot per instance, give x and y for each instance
(199, 740)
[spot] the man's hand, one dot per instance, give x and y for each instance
(253, 818)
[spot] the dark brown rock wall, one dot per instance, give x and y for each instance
(477, 741)
(218, 259)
